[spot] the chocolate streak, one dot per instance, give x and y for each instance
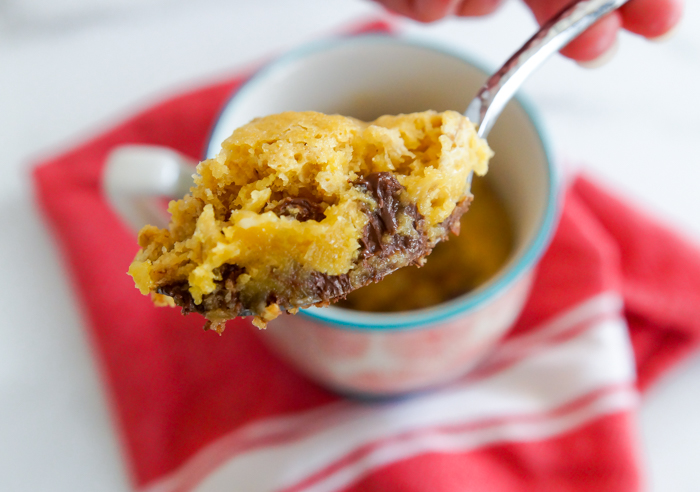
(180, 293)
(301, 209)
(224, 297)
(452, 223)
(385, 189)
(327, 287)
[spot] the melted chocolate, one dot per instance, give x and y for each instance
(223, 297)
(329, 287)
(452, 223)
(385, 189)
(181, 295)
(301, 209)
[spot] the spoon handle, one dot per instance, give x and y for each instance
(553, 36)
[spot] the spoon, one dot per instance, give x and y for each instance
(554, 35)
(483, 111)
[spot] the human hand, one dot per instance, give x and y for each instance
(648, 18)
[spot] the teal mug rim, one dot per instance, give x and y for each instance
(469, 302)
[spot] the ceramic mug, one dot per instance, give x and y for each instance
(379, 354)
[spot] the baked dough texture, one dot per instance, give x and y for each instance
(300, 208)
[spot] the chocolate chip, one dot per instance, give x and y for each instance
(301, 209)
(329, 287)
(385, 188)
(224, 295)
(452, 223)
(181, 295)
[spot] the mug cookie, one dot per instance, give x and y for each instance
(301, 208)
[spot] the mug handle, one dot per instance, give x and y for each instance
(136, 176)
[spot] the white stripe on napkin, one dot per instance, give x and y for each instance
(520, 398)
(516, 429)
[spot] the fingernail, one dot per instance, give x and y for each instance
(602, 59)
(665, 36)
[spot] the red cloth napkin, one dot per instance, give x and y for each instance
(551, 409)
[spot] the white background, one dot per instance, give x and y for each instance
(69, 68)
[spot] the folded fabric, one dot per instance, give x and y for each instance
(614, 305)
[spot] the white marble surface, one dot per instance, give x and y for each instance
(71, 67)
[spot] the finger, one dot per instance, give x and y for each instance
(422, 10)
(475, 8)
(651, 18)
(596, 40)
(591, 44)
